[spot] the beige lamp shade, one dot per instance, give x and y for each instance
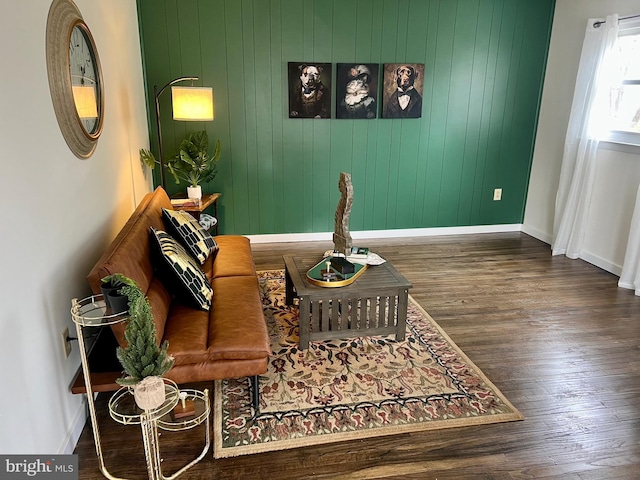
(192, 103)
(85, 99)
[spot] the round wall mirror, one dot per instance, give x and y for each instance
(75, 78)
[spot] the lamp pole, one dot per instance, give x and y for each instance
(157, 94)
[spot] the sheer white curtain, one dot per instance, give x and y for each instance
(587, 124)
(630, 277)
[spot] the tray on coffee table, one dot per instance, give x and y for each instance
(317, 274)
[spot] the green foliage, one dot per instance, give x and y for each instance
(142, 357)
(192, 164)
(117, 280)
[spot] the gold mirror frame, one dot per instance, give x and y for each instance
(63, 17)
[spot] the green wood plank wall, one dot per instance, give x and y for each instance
(484, 66)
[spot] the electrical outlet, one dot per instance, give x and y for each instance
(497, 194)
(66, 343)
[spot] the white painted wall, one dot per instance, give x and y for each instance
(618, 172)
(58, 213)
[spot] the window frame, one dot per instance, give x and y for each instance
(627, 26)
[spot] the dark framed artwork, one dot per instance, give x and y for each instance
(309, 90)
(357, 90)
(402, 90)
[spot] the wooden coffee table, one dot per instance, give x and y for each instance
(375, 304)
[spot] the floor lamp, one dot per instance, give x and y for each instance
(189, 104)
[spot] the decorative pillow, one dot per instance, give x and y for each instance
(180, 273)
(187, 230)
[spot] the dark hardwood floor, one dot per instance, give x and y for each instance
(556, 336)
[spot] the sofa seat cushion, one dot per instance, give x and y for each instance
(187, 331)
(234, 258)
(237, 329)
(234, 329)
(207, 371)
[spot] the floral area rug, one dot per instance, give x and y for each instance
(350, 389)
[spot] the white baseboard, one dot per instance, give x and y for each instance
(73, 435)
(397, 233)
(535, 233)
(291, 237)
(601, 263)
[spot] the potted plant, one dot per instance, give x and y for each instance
(143, 360)
(192, 164)
(113, 297)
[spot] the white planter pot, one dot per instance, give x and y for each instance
(194, 192)
(149, 393)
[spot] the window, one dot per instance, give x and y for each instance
(624, 98)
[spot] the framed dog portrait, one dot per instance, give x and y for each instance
(402, 90)
(309, 90)
(357, 90)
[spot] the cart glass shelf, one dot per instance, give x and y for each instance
(93, 312)
(123, 408)
(200, 401)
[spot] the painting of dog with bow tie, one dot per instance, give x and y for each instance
(309, 90)
(403, 84)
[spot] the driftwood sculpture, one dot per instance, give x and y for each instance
(342, 237)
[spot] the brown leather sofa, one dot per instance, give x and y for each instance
(228, 341)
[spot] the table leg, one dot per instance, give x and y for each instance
(402, 315)
(303, 308)
(288, 287)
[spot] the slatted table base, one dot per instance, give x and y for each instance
(347, 318)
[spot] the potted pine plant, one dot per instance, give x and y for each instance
(192, 164)
(110, 287)
(143, 360)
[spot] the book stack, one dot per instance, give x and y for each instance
(185, 202)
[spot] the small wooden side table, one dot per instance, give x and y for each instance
(208, 200)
